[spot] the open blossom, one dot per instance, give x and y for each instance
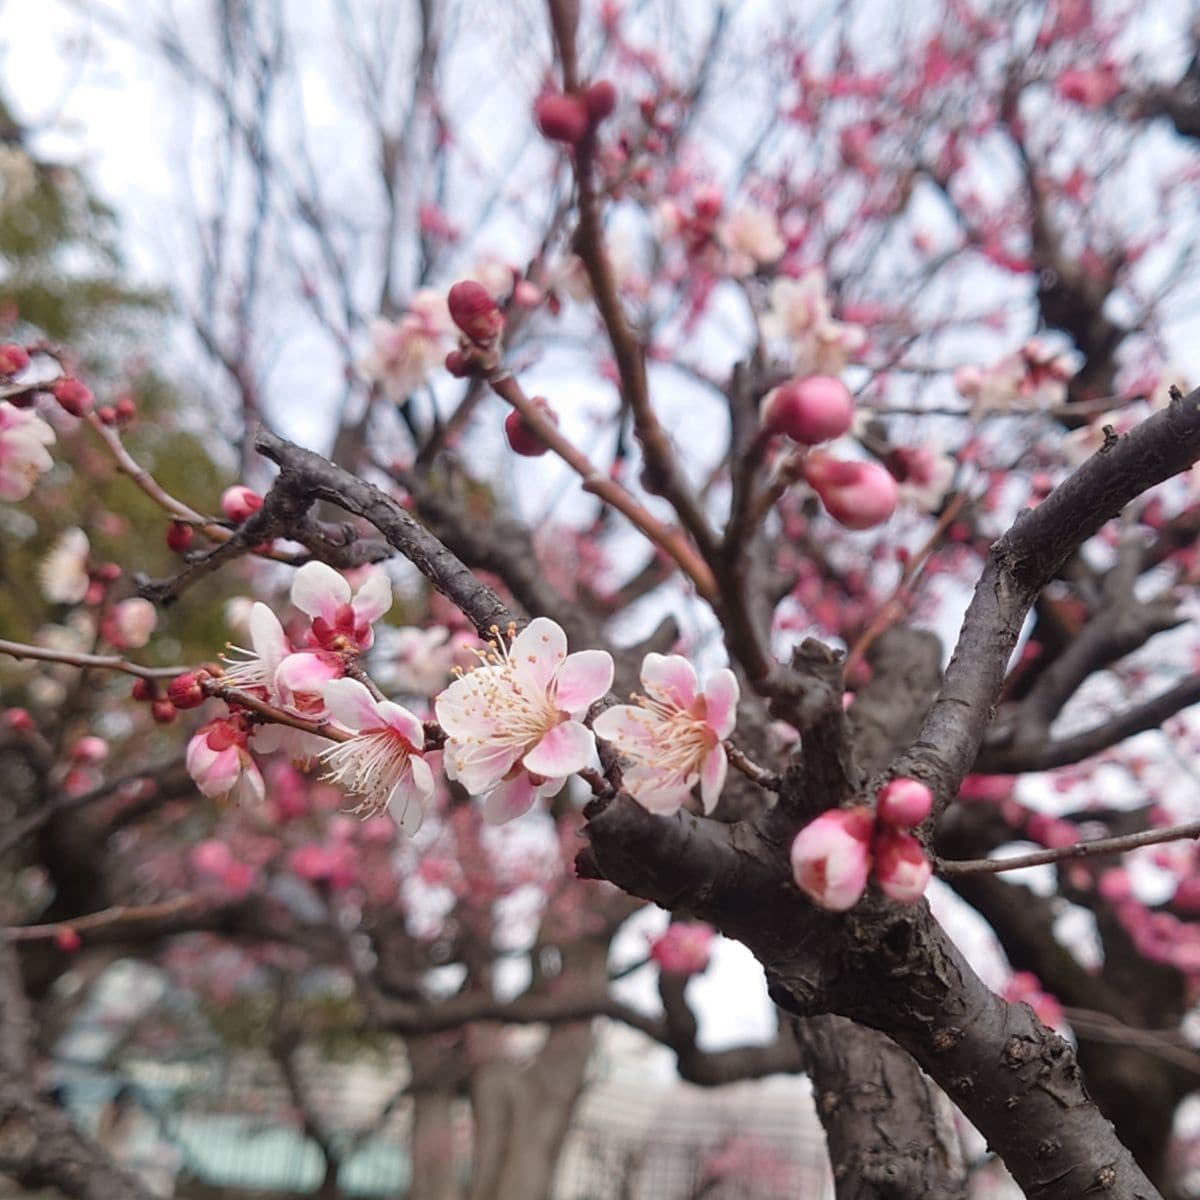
(63, 573)
(798, 314)
(512, 724)
(341, 621)
(404, 352)
(831, 858)
(220, 762)
(382, 763)
(684, 949)
(24, 437)
(674, 735)
(129, 623)
(1032, 378)
(751, 235)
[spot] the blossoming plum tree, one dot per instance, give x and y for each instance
(932, 328)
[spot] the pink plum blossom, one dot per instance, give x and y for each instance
(404, 352)
(1032, 378)
(904, 803)
(751, 236)
(831, 858)
(382, 763)
(901, 870)
(812, 410)
(685, 948)
(129, 623)
(220, 763)
(24, 437)
(512, 724)
(859, 495)
(674, 735)
(341, 621)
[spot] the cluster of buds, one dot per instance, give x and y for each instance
(569, 117)
(120, 412)
(480, 324)
(834, 855)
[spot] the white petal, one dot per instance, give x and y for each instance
(351, 704)
(538, 651)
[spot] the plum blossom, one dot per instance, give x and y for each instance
(831, 858)
(220, 763)
(798, 314)
(751, 235)
(382, 763)
(24, 437)
(341, 621)
(674, 735)
(404, 352)
(900, 869)
(63, 573)
(1032, 378)
(129, 623)
(512, 724)
(685, 949)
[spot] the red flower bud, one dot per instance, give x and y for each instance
(126, 409)
(186, 690)
(163, 711)
(521, 438)
(561, 118)
(144, 690)
(600, 98)
(74, 396)
(107, 415)
(458, 364)
(13, 359)
(474, 311)
(19, 720)
(179, 536)
(67, 939)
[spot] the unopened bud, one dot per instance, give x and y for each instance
(179, 536)
(13, 359)
(163, 711)
(474, 311)
(562, 118)
(522, 438)
(74, 396)
(187, 690)
(600, 98)
(239, 502)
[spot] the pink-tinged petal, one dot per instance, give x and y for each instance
(222, 773)
(655, 792)
(583, 678)
(307, 674)
(511, 799)
(626, 724)
(712, 777)
(460, 711)
(721, 695)
(831, 858)
(409, 796)
(567, 748)
(901, 869)
(319, 591)
(538, 652)
(267, 637)
(479, 768)
(374, 597)
(250, 788)
(406, 724)
(422, 777)
(351, 704)
(670, 678)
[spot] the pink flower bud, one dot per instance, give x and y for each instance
(13, 359)
(600, 98)
(858, 495)
(74, 397)
(561, 118)
(521, 438)
(179, 536)
(904, 803)
(19, 720)
(239, 502)
(474, 311)
(831, 858)
(67, 939)
(810, 410)
(901, 869)
(211, 857)
(90, 749)
(685, 949)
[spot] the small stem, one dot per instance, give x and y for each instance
(751, 769)
(278, 716)
(107, 916)
(104, 662)
(1111, 845)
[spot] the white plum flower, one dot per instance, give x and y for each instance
(63, 573)
(382, 763)
(799, 314)
(512, 724)
(24, 437)
(674, 735)
(404, 352)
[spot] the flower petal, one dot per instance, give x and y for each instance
(307, 673)
(319, 590)
(670, 678)
(538, 652)
(511, 799)
(567, 748)
(628, 727)
(405, 723)
(712, 777)
(657, 792)
(351, 705)
(479, 767)
(374, 597)
(267, 637)
(406, 803)
(582, 679)
(721, 695)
